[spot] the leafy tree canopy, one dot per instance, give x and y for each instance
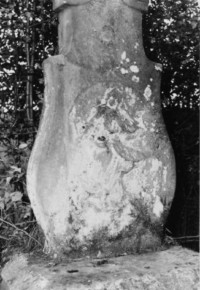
(28, 35)
(172, 38)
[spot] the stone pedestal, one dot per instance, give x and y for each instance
(101, 176)
(176, 269)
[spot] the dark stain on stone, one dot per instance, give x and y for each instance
(70, 219)
(100, 263)
(101, 138)
(72, 271)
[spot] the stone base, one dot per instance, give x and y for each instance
(176, 268)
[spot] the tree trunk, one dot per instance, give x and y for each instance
(30, 49)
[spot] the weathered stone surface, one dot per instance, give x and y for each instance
(137, 4)
(101, 175)
(176, 269)
(59, 4)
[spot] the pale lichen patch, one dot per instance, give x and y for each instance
(104, 99)
(92, 113)
(140, 121)
(152, 127)
(165, 174)
(112, 103)
(135, 79)
(103, 102)
(156, 164)
(147, 93)
(124, 71)
(114, 126)
(131, 96)
(158, 67)
(136, 45)
(158, 207)
(91, 220)
(124, 114)
(132, 181)
(134, 69)
(123, 56)
(128, 90)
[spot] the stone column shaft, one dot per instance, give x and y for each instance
(101, 175)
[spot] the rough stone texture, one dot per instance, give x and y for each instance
(176, 269)
(137, 4)
(101, 175)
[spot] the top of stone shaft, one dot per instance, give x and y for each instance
(141, 5)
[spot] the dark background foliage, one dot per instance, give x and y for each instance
(171, 37)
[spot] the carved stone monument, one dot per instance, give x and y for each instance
(101, 175)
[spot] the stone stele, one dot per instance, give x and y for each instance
(101, 175)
